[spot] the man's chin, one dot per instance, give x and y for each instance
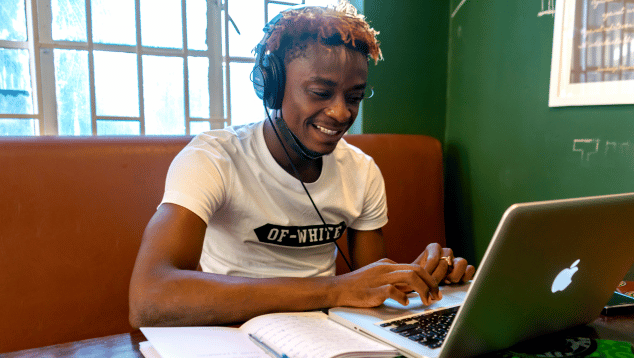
(325, 149)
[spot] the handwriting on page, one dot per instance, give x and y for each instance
(310, 335)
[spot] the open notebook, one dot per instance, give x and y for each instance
(308, 334)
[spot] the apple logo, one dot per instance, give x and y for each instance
(564, 278)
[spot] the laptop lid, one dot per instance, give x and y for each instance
(551, 265)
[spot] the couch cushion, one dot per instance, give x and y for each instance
(72, 212)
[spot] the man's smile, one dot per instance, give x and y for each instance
(326, 130)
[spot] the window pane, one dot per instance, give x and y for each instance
(69, 20)
(250, 21)
(162, 24)
(15, 82)
(113, 22)
(73, 93)
(274, 10)
(222, 33)
(116, 84)
(163, 95)
(196, 127)
(112, 127)
(19, 127)
(197, 24)
(198, 87)
(321, 2)
(13, 20)
(246, 107)
(225, 105)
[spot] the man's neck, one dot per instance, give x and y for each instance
(309, 169)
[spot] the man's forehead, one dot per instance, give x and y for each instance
(330, 63)
(323, 52)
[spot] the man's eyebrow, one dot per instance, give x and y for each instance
(361, 86)
(323, 81)
(329, 83)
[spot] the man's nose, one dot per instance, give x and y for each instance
(338, 110)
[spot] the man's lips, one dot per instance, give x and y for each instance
(327, 131)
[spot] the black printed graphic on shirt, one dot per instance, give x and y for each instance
(299, 236)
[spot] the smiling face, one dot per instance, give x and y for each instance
(323, 91)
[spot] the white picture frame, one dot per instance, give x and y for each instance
(598, 84)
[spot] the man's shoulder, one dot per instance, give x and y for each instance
(229, 138)
(347, 151)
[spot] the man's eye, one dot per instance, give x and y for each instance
(321, 94)
(354, 98)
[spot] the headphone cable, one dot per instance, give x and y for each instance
(302, 182)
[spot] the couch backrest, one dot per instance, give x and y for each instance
(73, 210)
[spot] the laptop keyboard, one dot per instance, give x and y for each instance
(428, 329)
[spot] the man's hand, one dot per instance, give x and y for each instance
(435, 260)
(371, 285)
(378, 279)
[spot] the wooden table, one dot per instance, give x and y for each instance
(126, 345)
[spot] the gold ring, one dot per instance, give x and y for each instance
(448, 259)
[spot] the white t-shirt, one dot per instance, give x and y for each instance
(260, 222)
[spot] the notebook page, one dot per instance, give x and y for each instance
(310, 335)
(198, 342)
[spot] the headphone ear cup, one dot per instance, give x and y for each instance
(274, 81)
(258, 77)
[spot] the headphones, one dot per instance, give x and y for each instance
(269, 75)
(269, 80)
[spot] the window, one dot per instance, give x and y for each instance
(129, 67)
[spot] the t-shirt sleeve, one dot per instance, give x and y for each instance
(195, 180)
(374, 213)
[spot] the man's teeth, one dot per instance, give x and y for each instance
(327, 131)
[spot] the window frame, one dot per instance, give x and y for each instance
(41, 48)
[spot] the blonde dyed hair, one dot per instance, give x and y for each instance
(338, 25)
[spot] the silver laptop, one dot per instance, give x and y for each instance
(551, 265)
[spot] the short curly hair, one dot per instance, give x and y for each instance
(338, 25)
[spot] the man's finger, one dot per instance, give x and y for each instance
(459, 269)
(390, 291)
(418, 280)
(469, 273)
(440, 272)
(434, 252)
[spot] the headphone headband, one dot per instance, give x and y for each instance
(269, 74)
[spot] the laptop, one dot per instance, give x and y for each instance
(550, 265)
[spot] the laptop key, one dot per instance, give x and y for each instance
(404, 328)
(428, 329)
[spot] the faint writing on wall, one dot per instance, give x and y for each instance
(589, 149)
(604, 48)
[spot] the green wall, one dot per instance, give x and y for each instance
(410, 84)
(503, 144)
(479, 82)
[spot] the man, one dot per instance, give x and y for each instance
(238, 202)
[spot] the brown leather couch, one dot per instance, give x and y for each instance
(73, 210)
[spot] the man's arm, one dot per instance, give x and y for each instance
(166, 289)
(365, 247)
